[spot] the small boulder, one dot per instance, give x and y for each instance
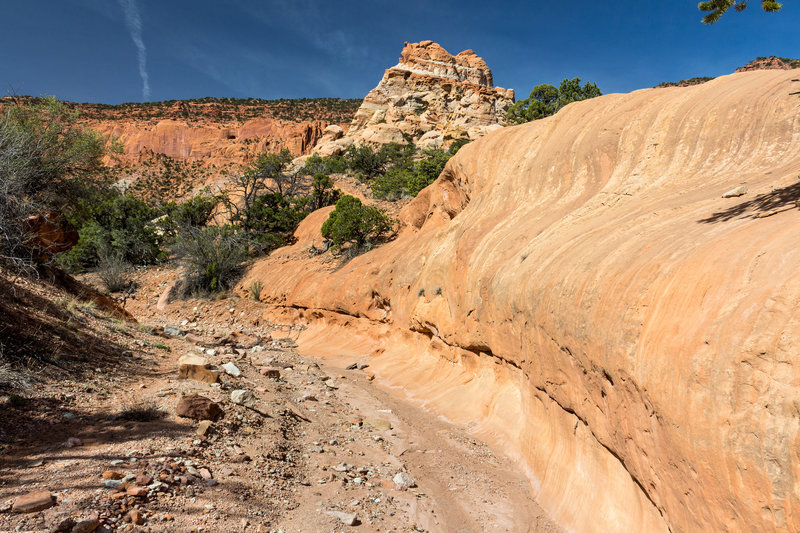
(86, 526)
(195, 367)
(271, 373)
(232, 369)
(112, 474)
(203, 427)
(173, 331)
(197, 407)
(347, 519)
(403, 481)
(734, 193)
(34, 501)
(137, 492)
(378, 423)
(134, 516)
(242, 397)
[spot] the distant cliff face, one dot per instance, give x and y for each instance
(216, 131)
(208, 141)
(431, 97)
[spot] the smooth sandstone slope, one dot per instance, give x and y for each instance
(577, 289)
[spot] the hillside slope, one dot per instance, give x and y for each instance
(578, 290)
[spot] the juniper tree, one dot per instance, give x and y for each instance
(716, 8)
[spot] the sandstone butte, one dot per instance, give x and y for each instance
(578, 290)
(430, 97)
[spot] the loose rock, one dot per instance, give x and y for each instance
(242, 397)
(232, 369)
(198, 408)
(347, 519)
(403, 481)
(33, 502)
(738, 191)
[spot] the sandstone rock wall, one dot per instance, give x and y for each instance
(430, 96)
(613, 321)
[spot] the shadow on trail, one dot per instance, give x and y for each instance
(775, 201)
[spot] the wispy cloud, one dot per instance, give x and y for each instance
(134, 25)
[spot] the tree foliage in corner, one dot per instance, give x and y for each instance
(716, 8)
(546, 100)
(42, 150)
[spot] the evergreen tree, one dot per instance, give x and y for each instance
(716, 8)
(546, 100)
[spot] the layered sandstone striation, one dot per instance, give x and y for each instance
(578, 290)
(430, 97)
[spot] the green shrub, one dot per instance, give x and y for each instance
(353, 223)
(392, 185)
(273, 218)
(396, 155)
(212, 257)
(428, 169)
(43, 152)
(322, 192)
(315, 164)
(113, 224)
(364, 160)
(194, 212)
(255, 290)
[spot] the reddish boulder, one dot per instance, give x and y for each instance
(33, 502)
(50, 234)
(197, 407)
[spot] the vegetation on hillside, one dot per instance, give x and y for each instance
(697, 80)
(546, 100)
(334, 110)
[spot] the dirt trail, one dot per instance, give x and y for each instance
(316, 449)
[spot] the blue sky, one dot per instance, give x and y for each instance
(115, 51)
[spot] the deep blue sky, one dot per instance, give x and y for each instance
(82, 50)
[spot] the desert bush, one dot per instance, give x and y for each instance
(409, 177)
(255, 290)
(147, 411)
(355, 224)
(272, 219)
(114, 272)
(396, 155)
(41, 149)
(212, 258)
(322, 192)
(194, 212)
(364, 160)
(315, 164)
(115, 224)
(393, 184)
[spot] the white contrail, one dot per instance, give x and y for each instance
(134, 24)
